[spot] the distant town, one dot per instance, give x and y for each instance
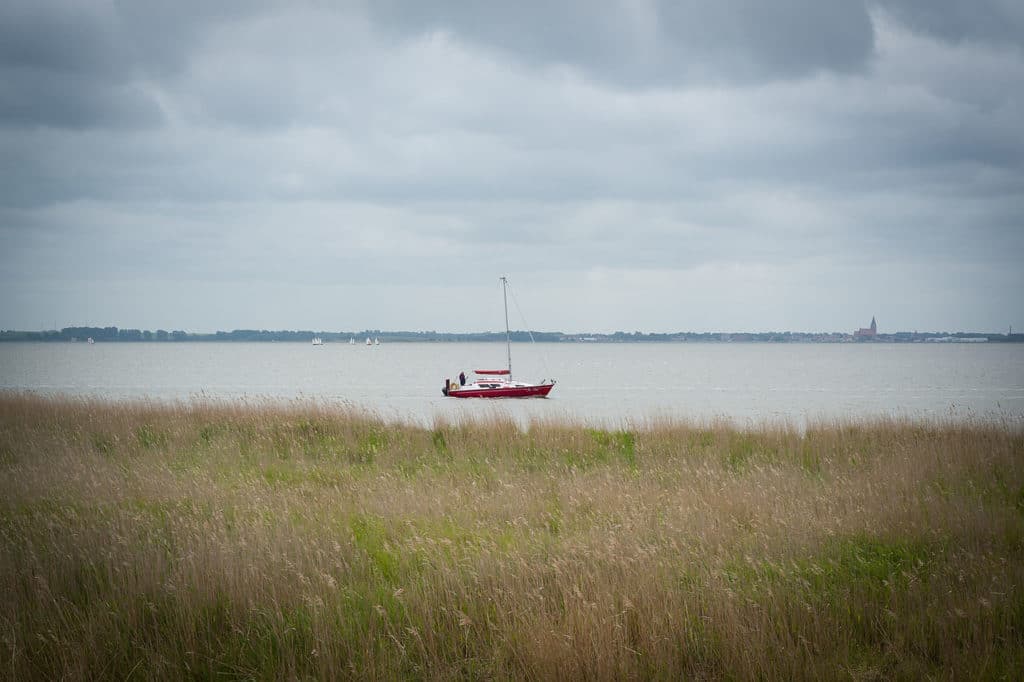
(869, 334)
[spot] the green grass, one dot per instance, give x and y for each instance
(299, 541)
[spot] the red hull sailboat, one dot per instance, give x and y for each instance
(498, 383)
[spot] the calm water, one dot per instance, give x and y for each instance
(597, 383)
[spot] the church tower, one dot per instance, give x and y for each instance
(867, 332)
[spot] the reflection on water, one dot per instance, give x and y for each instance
(597, 383)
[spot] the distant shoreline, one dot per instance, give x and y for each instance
(116, 335)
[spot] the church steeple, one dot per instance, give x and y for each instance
(867, 332)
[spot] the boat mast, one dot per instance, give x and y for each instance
(508, 339)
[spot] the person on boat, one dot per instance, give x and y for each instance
(462, 378)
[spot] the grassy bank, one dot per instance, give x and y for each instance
(265, 541)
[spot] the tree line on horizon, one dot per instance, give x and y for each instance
(115, 334)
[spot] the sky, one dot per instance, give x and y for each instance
(634, 165)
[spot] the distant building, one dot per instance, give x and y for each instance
(867, 333)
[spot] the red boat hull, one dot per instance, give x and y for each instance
(537, 391)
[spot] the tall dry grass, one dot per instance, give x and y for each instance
(267, 541)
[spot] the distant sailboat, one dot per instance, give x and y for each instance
(351, 341)
(376, 341)
(317, 341)
(89, 340)
(368, 342)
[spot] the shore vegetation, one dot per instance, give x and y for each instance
(265, 540)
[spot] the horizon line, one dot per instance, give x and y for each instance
(620, 332)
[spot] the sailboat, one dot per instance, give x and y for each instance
(317, 341)
(368, 342)
(497, 383)
(351, 341)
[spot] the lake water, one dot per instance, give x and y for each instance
(607, 384)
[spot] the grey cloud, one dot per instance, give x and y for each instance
(660, 42)
(31, 97)
(116, 38)
(64, 66)
(69, 64)
(984, 21)
(62, 37)
(757, 40)
(657, 144)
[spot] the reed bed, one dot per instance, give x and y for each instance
(259, 540)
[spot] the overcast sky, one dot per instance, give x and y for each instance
(651, 165)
